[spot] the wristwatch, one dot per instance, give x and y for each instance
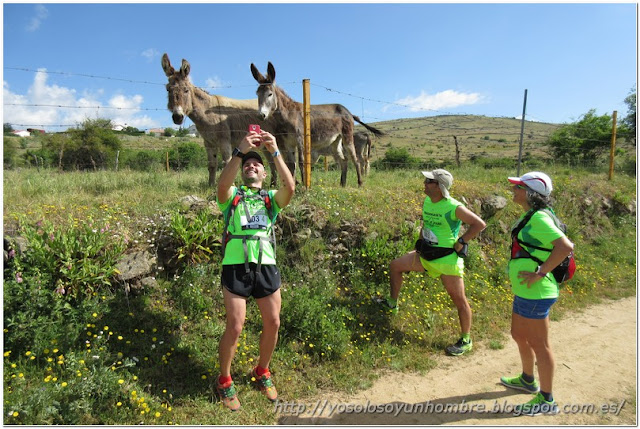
(461, 241)
(236, 152)
(540, 273)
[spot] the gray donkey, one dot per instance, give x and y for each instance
(331, 124)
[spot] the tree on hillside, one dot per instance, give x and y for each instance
(395, 158)
(7, 128)
(90, 145)
(628, 124)
(132, 131)
(55, 144)
(585, 139)
(9, 151)
(182, 132)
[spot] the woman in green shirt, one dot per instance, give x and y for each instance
(535, 289)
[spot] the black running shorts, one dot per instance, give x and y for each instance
(236, 280)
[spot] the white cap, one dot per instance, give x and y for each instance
(536, 181)
(443, 177)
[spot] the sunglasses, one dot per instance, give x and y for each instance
(521, 187)
(427, 181)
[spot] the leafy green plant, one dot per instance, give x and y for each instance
(52, 287)
(197, 235)
(79, 258)
(312, 323)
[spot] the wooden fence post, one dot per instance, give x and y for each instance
(307, 133)
(613, 144)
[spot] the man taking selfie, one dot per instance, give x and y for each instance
(249, 257)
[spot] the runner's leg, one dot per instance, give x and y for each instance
(236, 309)
(538, 339)
(403, 264)
(519, 332)
(454, 286)
(270, 311)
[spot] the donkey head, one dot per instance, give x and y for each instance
(179, 89)
(267, 99)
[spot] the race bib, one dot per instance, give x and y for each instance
(429, 236)
(257, 221)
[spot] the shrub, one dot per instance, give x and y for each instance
(9, 152)
(51, 288)
(143, 160)
(395, 158)
(91, 146)
(313, 322)
(187, 155)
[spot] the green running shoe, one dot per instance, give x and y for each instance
(228, 395)
(264, 383)
(459, 348)
(518, 383)
(536, 407)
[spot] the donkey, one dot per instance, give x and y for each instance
(362, 143)
(222, 122)
(331, 124)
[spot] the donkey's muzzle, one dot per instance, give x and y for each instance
(177, 118)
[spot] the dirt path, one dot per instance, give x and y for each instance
(595, 367)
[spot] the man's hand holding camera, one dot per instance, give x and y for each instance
(255, 137)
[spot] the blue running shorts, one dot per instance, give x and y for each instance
(532, 308)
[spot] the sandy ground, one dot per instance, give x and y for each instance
(595, 382)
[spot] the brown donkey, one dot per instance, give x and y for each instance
(331, 124)
(362, 143)
(222, 122)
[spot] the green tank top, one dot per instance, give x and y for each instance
(256, 223)
(439, 222)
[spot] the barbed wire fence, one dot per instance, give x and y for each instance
(496, 134)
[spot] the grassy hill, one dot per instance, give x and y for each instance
(433, 137)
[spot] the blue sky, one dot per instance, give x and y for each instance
(382, 61)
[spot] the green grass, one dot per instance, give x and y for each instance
(162, 345)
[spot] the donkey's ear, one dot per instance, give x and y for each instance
(186, 68)
(271, 72)
(256, 74)
(166, 65)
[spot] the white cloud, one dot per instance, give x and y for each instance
(150, 54)
(441, 100)
(41, 14)
(128, 110)
(51, 106)
(214, 82)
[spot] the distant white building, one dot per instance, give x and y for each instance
(118, 127)
(192, 131)
(22, 133)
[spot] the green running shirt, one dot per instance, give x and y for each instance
(439, 222)
(234, 252)
(540, 231)
(440, 226)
